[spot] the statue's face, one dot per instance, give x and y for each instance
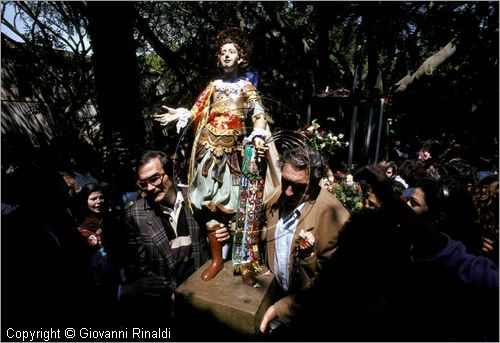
(229, 57)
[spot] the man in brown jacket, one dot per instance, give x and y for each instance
(303, 222)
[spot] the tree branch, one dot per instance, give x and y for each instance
(428, 67)
(14, 29)
(165, 53)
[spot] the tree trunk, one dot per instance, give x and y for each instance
(111, 29)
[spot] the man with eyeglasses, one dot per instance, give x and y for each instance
(165, 242)
(303, 221)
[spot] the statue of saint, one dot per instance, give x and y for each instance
(228, 114)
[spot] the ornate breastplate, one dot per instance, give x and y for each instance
(228, 108)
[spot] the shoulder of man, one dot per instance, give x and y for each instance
(326, 198)
(184, 191)
(326, 201)
(133, 207)
(129, 204)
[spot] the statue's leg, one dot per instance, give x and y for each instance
(217, 263)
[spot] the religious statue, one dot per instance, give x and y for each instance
(221, 115)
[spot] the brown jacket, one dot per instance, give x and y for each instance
(323, 217)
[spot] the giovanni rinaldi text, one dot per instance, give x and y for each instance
(47, 335)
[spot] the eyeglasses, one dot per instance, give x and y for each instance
(296, 187)
(155, 180)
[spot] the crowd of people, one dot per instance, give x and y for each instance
(419, 260)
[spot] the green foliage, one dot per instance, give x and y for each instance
(348, 196)
(345, 190)
(155, 62)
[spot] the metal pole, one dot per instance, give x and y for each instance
(354, 118)
(309, 114)
(353, 133)
(380, 122)
(369, 133)
(313, 91)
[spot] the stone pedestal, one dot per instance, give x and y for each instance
(224, 307)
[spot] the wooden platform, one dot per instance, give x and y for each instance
(224, 307)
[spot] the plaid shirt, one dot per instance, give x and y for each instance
(149, 250)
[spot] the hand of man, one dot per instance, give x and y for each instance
(168, 117)
(488, 245)
(268, 317)
(222, 234)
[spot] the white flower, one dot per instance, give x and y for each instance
(306, 239)
(349, 180)
(314, 126)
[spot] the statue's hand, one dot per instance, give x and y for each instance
(168, 117)
(260, 145)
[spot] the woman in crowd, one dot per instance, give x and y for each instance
(99, 228)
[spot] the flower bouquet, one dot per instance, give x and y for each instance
(344, 188)
(324, 141)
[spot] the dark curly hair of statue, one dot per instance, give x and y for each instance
(240, 41)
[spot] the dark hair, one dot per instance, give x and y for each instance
(306, 158)
(462, 172)
(451, 209)
(434, 147)
(166, 162)
(434, 194)
(411, 171)
(452, 152)
(81, 208)
(390, 164)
